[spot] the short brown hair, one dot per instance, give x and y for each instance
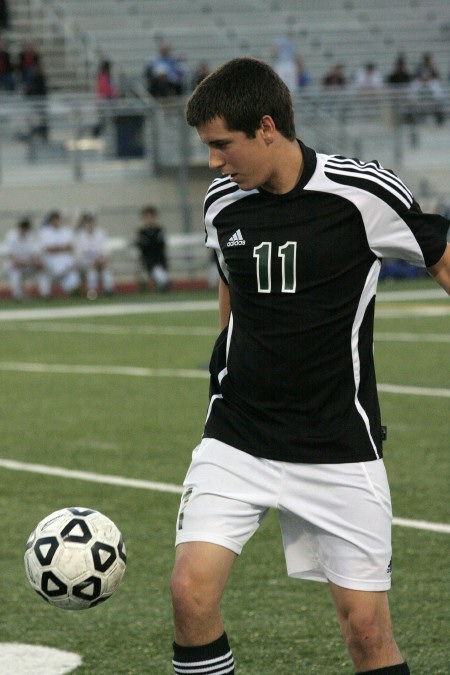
(241, 92)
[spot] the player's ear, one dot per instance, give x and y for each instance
(267, 128)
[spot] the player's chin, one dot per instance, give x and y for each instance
(243, 182)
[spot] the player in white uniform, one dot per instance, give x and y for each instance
(56, 243)
(294, 421)
(91, 249)
(22, 251)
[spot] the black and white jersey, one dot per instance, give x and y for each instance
(292, 376)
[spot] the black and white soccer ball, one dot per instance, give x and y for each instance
(75, 558)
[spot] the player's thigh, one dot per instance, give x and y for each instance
(337, 524)
(226, 496)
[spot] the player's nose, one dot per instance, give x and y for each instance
(216, 161)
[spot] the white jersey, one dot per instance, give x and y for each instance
(57, 263)
(22, 246)
(91, 245)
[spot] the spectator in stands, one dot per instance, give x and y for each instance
(303, 76)
(151, 243)
(105, 86)
(368, 83)
(56, 243)
(21, 249)
(427, 64)
(7, 80)
(428, 96)
(285, 59)
(36, 87)
(203, 69)
(106, 90)
(334, 78)
(399, 75)
(164, 75)
(4, 15)
(91, 251)
(28, 58)
(368, 79)
(399, 82)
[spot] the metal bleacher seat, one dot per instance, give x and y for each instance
(351, 31)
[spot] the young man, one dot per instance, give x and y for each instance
(151, 243)
(56, 242)
(294, 420)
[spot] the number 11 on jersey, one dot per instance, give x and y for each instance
(288, 255)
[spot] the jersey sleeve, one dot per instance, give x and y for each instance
(394, 223)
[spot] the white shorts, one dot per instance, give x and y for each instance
(335, 518)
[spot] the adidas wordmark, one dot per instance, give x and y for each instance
(237, 239)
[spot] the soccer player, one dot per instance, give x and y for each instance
(294, 421)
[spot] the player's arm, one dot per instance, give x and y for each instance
(441, 270)
(224, 304)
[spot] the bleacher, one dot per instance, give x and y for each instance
(128, 31)
(74, 34)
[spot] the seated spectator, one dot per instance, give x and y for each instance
(91, 250)
(56, 244)
(428, 96)
(151, 243)
(7, 81)
(335, 78)
(368, 78)
(368, 83)
(27, 60)
(399, 82)
(400, 74)
(106, 90)
(285, 59)
(164, 74)
(105, 86)
(303, 76)
(21, 248)
(36, 86)
(427, 64)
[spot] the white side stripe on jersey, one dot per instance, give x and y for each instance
(376, 167)
(371, 173)
(366, 297)
(220, 202)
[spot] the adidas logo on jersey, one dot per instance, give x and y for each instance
(237, 239)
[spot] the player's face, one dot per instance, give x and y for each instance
(246, 160)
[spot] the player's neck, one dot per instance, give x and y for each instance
(288, 169)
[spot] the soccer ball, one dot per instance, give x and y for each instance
(75, 558)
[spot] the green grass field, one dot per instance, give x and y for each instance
(126, 395)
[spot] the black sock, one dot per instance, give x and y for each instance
(215, 658)
(399, 669)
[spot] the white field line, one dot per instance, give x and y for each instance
(103, 329)
(164, 487)
(108, 310)
(413, 391)
(90, 477)
(411, 312)
(184, 373)
(186, 331)
(411, 337)
(130, 371)
(405, 296)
